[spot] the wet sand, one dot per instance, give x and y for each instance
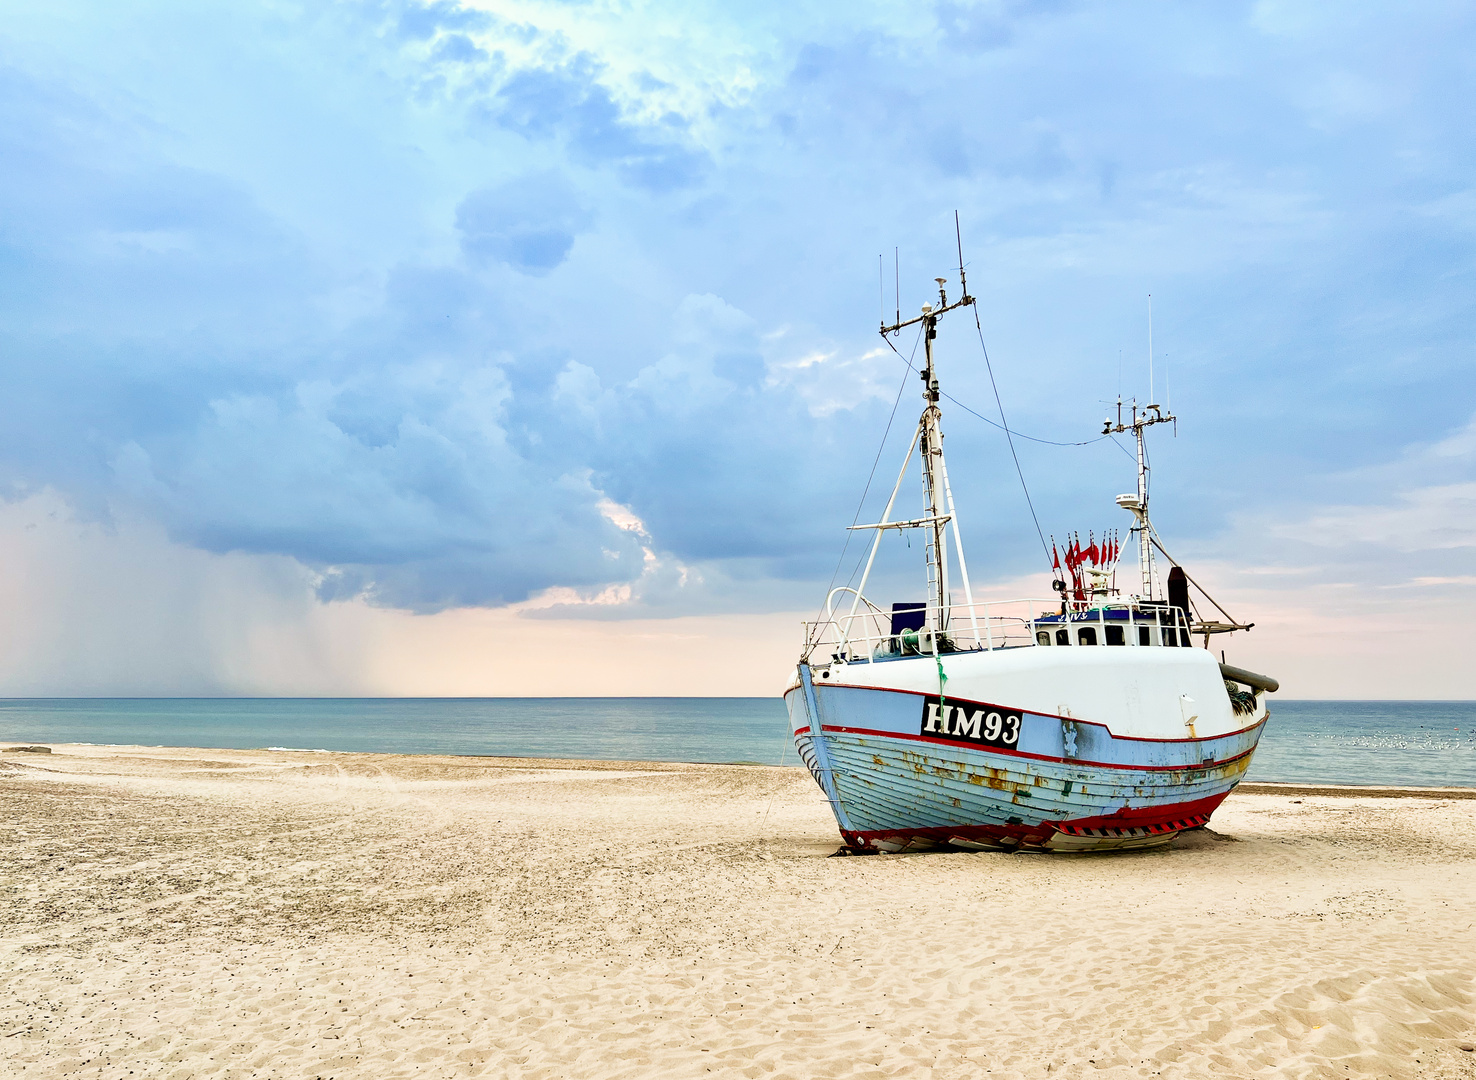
(219, 913)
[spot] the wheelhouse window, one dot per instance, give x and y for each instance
(1143, 636)
(1114, 635)
(1043, 637)
(1063, 636)
(1086, 635)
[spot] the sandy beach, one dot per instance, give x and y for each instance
(217, 913)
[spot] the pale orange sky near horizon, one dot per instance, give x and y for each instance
(92, 611)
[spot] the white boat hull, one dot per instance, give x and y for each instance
(1036, 749)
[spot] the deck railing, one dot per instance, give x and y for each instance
(857, 630)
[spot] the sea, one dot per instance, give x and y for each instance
(1405, 743)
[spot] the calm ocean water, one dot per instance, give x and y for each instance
(1412, 743)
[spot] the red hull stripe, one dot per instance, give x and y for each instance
(1124, 824)
(1046, 757)
(1032, 712)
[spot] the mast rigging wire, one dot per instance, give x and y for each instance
(1119, 445)
(1004, 426)
(1017, 434)
(981, 416)
(861, 505)
(1011, 440)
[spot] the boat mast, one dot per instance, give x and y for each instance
(1138, 503)
(931, 447)
(928, 440)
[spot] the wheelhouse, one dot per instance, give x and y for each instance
(1115, 624)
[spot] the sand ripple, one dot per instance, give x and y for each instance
(229, 914)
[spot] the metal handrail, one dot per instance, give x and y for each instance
(1003, 624)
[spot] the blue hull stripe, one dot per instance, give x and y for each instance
(898, 714)
(1207, 745)
(888, 778)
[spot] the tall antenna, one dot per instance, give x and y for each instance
(963, 281)
(897, 283)
(1150, 348)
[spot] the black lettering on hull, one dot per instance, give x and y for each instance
(972, 723)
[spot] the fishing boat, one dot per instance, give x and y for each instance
(1095, 719)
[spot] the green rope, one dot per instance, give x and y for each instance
(942, 679)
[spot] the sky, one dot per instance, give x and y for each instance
(531, 347)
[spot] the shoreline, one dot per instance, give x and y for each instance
(1248, 787)
(1352, 791)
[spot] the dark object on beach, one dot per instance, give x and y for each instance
(1468, 1048)
(28, 749)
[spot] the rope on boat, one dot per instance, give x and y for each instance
(1243, 702)
(1009, 436)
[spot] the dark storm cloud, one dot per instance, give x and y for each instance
(410, 295)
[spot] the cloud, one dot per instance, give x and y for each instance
(126, 611)
(830, 382)
(426, 507)
(1412, 528)
(408, 295)
(1422, 520)
(457, 49)
(686, 441)
(569, 104)
(528, 223)
(423, 21)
